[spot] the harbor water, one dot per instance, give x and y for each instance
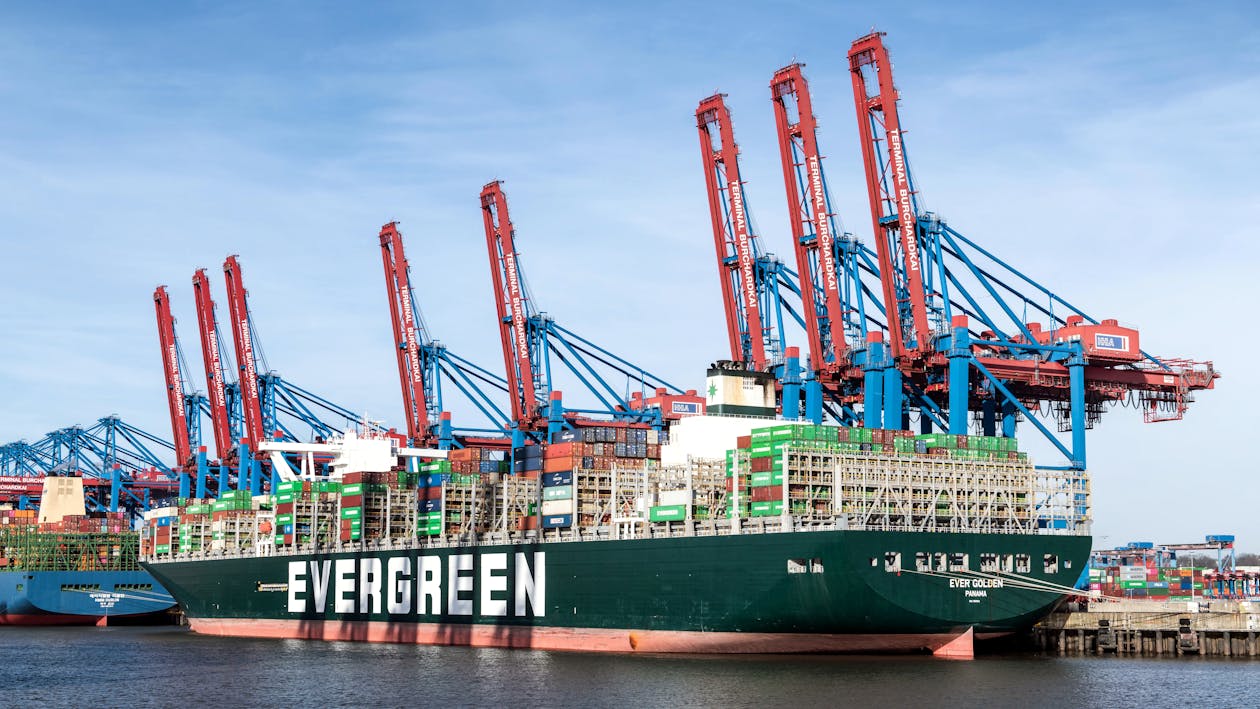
(169, 666)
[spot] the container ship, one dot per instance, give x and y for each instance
(725, 534)
(58, 568)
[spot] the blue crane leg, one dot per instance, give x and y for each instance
(813, 401)
(1008, 419)
(791, 388)
(988, 417)
(873, 394)
(1076, 385)
(115, 488)
(203, 471)
(958, 395)
(894, 400)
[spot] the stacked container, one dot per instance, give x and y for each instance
(557, 495)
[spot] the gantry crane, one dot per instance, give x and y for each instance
(529, 338)
(185, 406)
(936, 283)
(830, 261)
(424, 363)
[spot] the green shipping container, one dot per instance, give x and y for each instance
(1133, 584)
(351, 512)
(559, 492)
(351, 489)
(163, 549)
(765, 509)
(765, 479)
(667, 513)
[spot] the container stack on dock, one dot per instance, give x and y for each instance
(1139, 581)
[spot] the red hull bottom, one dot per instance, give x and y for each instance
(99, 621)
(49, 619)
(949, 645)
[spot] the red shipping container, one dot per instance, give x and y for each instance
(564, 449)
(431, 493)
(730, 484)
(767, 494)
(349, 478)
(744, 442)
(761, 465)
(526, 523)
(352, 501)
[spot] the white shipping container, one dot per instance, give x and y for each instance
(557, 507)
(673, 497)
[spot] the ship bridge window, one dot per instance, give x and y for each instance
(1051, 563)
(797, 566)
(815, 566)
(921, 562)
(959, 562)
(938, 561)
(1023, 564)
(988, 562)
(892, 562)
(1006, 562)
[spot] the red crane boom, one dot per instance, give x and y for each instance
(212, 356)
(813, 231)
(891, 196)
(242, 337)
(732, 235)
(406, 338)
(174, 378)
(512, 305)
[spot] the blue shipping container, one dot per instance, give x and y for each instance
(430, 505)
(164, 521)
(489, 466)
(433, 480)
(555, 521)
(562, 478)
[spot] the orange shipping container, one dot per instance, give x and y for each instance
(557, 465)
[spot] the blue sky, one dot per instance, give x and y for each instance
(1107, 149)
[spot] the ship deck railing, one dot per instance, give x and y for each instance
(622, 530)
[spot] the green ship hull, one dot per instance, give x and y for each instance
(801, 591)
